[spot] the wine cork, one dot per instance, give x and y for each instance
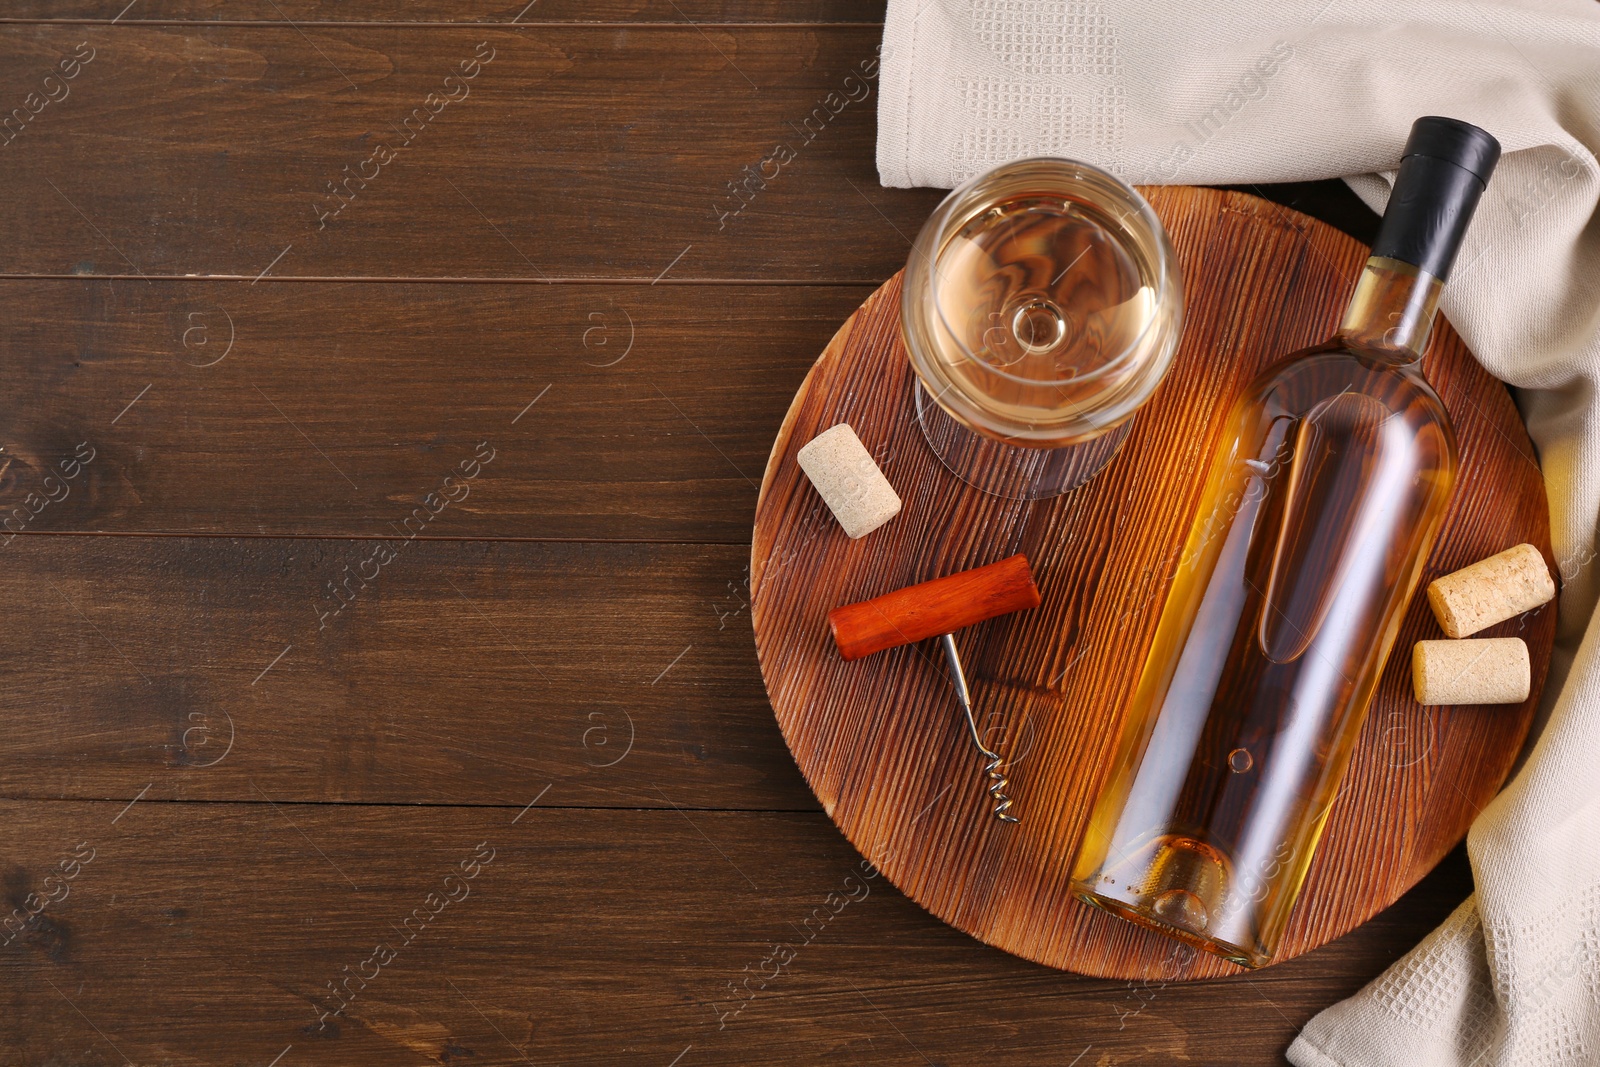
(1485, 670)
(1491, 591)
(851, 484)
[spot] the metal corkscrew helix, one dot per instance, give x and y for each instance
(997, 780)
(939, 608)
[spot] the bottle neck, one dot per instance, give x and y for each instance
(1391, 314)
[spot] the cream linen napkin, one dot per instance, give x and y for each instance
(1161, 91)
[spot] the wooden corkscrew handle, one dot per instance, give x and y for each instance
(941, 606)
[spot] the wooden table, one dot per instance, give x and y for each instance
(383, 391)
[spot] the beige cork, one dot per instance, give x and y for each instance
(851, 484)
(1486, 670)
(1491, 591)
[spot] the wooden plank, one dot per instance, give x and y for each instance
(523, 12)
(323, 409)
(206, 933)
(447, 672)
(570, 152)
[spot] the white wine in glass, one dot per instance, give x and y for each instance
(1041, 308)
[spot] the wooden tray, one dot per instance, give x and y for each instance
(881, 740)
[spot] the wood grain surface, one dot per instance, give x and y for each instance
(462, 672)
(412, 12)
(210, 933)
(881, 740)
(574, 152)
(325, 409)
(590, 589)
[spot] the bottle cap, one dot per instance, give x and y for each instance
(1444, 169)
(1456, 142)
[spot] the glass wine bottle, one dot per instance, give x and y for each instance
(1320, 507)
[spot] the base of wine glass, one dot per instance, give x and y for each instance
(1014, 472)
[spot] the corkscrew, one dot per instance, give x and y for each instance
(997, 780)
(939, 608)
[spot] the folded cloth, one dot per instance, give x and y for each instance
(1229, 91)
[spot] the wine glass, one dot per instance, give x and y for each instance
(1041, 308)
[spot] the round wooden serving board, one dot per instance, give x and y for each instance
(881, 740)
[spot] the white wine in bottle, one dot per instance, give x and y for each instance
(1320, 507)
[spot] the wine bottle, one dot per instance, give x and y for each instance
(1320, 507)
